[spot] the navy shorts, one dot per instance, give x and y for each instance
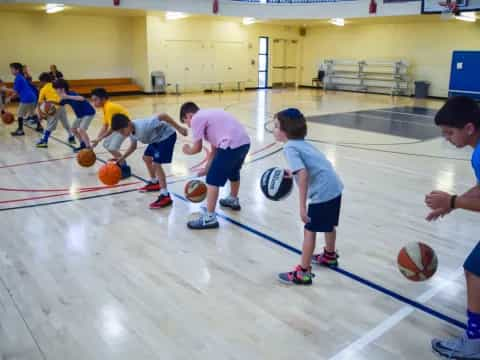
(472, 264)
(226, 165)
(162, 152)
(324, 216)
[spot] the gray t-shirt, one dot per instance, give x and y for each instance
(151, 130)
(323, 182)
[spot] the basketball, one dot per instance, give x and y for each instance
(110, 174)
(86, 157)
(195, 191)
(275, 186)
(8, 118)
(47, 109)
(417, 261)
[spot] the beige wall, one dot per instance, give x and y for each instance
(81, 46)
(426, 46)
(140, 68)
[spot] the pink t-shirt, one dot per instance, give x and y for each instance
(219, 128)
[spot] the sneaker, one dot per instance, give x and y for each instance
(231, 202)
(325, 259)
(42, 144)
(203, 222)
(78, 149)
(126, 171)
(71, 140)
(149, 187)
(458, 348)
(17, 132)
(39, 128)
(162, 202)
(297, 277)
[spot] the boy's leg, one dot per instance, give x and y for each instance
(22, 113)
(232, 201)
(473, 292)
(212, 197)
(52, 122)
(308, 248)
(330, 239)
(302, 274)
(161, 153)
(62, 116)
(148, 160)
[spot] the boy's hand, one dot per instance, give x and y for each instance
(183, 131)
(438, 200)
(94, 143)
(435, 214)
(304, 216)
(187, 149)
(202, 172)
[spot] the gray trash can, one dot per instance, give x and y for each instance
(421, 89)
(158, 82)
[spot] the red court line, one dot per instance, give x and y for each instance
(93, 188)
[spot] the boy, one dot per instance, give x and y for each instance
(459, 120)
(230, 145)
(113, 140)
(317, 180)
(159, 133)
(82, 109)
(48, 93)
(26, 95)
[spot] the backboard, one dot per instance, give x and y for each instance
(434, 7)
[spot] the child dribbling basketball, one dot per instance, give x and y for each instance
(318, 182)
(159, 133)
(230, 145)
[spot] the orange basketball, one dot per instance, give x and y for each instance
(46, 109)
(110, 174)
(8, 118)
(195, 191)
(417, 261)
(86, 157)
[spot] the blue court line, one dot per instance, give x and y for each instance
(419, 306)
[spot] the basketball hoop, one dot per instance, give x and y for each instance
(451, 8)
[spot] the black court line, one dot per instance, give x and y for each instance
(352, 276)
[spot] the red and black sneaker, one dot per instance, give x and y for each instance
(161, 202)
(326, 259)
(149, 187)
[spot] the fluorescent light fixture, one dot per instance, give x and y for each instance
(337, 21)
(54, 8)
(468, 16)
(174, 15)
(248, 21)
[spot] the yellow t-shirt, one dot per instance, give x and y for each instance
(110, 109)
(48, 93)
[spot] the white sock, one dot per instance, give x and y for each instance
(163, 191)
(154, 181)
(210, 215)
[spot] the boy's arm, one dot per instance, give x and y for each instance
(441, 202)
(211, 155)
(73, 97)
(169, 120)
(130, 150)
(302, 183)
(104, 132)
(193, 149)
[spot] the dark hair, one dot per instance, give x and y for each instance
(457, 112)
(61, 84)
(119, 121)
(188, 108)
(100, 93)
(45, 77)
(17, 66)
(292, 123)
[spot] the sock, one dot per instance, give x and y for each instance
(154, 181)
(210, 215)
(328, 253)
(164, 191)
(473, 329)
(46, 135)
(20, 123)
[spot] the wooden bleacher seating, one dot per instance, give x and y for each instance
(113, 86)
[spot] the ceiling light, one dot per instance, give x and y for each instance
(174, 15)
(54, 8)
(248, 21)
(337, 21)
(468, 16)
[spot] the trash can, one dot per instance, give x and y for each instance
(158, 82)
(421, 89)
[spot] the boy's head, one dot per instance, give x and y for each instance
(122, 124)
(53, 68)
(459, 119)
(16, 68)
(99, 97)
(45, 78)
(61, 86)
(290, 124)
(187, 111)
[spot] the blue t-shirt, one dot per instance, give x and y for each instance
(323, 182)
(476, 162)
(80, 108)
(23, 90)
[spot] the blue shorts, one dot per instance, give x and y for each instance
(162, 152)
(472, 264)
(226, 165)
(324, 216)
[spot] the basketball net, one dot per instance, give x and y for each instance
(450, 9)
